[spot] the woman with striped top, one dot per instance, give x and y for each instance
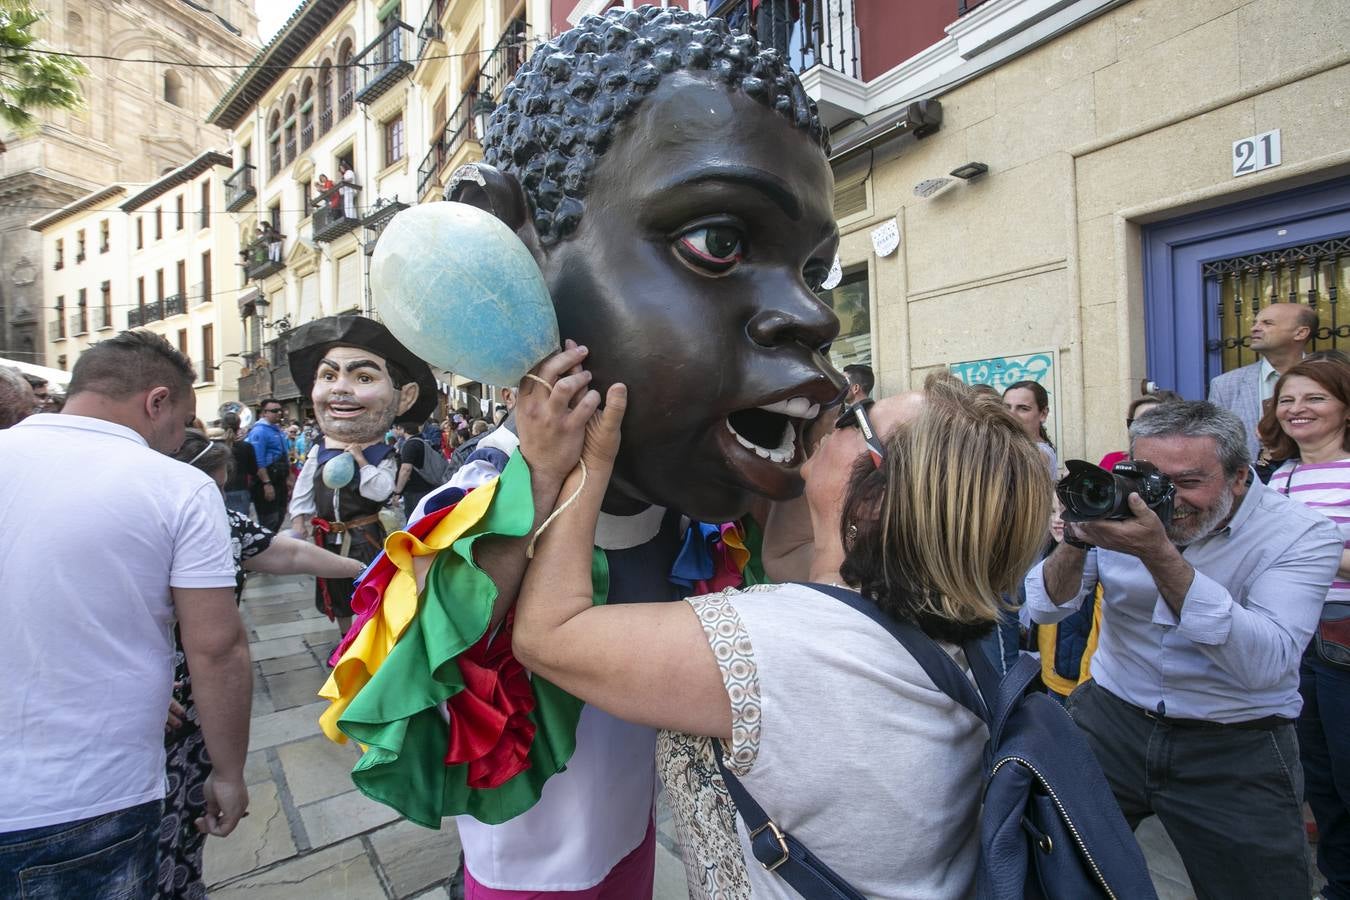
(1308, 425)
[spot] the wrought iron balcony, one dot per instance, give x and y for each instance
(335, 211)
(175, 305)
(812, 33)
(79, 322)
(275, 160)
(103, 318)
(56, 329)
(257, 259)
(325, 121)
(461, 126)
(306, 135)
(430, 29)
(344, 104)
(431, 165)
(79, 257)
(378, 217)
(144, 315)
(290, 149)
(385, 61)
(134, 318)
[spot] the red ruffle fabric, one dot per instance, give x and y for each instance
(490, 728)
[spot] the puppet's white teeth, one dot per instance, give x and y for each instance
(797, 407)
(781, 454)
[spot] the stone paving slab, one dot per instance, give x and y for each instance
(346, 815)
(285, 726)
(343, 872)
(413, 857)
(316, 768)
(286, 646)
(290, 663)
(262, 837)
(295, 688)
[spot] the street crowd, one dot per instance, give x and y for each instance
(501, 659)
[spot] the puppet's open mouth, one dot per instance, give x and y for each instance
(771, 431)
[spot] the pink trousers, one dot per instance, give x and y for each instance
(631, 879)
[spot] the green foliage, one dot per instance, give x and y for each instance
(32, 81)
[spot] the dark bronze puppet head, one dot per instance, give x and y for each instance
(671, 180)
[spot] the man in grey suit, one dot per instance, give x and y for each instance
(1280, 334)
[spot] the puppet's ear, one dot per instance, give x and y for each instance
(498, 193)
(407, 396)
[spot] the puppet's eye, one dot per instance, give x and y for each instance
(713, 248)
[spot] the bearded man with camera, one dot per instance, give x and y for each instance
(1212, 587)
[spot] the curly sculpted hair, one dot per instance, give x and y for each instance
(559, 114)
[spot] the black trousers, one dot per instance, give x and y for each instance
(272, 512)
(1230, 798)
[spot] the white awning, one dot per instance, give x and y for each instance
(56, 377)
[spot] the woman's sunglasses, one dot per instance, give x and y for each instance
(855, 416)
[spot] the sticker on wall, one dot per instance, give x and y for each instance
(836, 275)
(885, 238)
(1001, 371)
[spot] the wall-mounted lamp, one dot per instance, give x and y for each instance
(969, 170)
(282, 324)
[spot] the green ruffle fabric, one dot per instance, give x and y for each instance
(397, 715)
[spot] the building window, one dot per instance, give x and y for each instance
(79, 246)
(104, 237)
(60, 262)
(274, 216)
(140, 232)
(82, 313)
(182, 341)
(206, 205)
(178, 212)
(208, 352)
(307, 114)
(140, 293)
(105, 290)
(325, 97)
(182, 277)
(173, 88)
(159, 285)
(61, 362)
(274, 144)
(206, 277)
(393, 140)
(159, 222)
(850, 300)
(288, 129)
(60, 317)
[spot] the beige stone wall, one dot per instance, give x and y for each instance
(1127, 119)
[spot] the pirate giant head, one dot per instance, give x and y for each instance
(671, 180)
(359, 377)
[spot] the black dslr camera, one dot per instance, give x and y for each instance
(1090, 493)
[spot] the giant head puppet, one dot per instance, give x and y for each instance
(672, 183)
(359, 377)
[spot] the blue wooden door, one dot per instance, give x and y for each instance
(1182, 324)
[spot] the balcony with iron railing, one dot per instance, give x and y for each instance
(431, 29)
(274, 161)
(345, 104)
(144, 315)
(258, 261)
(175, 305)
(103, 318)
(377, 217)
(306, 135)
(807, 34)
(468, 120)
(79, 322)
(239, 188)
(325, 121)
(290, 149)
(387, 59)
(80, 257)
(56, 329)
(335, 212)
(430, 166)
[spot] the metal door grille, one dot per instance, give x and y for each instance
(1315, 274)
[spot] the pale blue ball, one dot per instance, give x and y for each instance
(460, 290)
(339, 471)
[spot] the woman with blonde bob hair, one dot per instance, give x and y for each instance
(931, 505)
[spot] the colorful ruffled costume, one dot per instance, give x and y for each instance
(450, 723)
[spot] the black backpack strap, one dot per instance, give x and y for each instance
(780, 852)
(941, 668)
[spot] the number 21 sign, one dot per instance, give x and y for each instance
(1252, 154)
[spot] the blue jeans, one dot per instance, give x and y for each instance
(1324, 750)
(108, 856)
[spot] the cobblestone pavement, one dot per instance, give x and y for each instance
(310, 834)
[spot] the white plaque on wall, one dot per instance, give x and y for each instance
(886, 237)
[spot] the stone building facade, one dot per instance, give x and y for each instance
(141, 120)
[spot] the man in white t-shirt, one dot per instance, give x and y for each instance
(107, 541)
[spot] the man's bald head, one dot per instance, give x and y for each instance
(1283, 327)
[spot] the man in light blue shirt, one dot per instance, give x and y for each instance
(1195, 676)
(269, 446)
